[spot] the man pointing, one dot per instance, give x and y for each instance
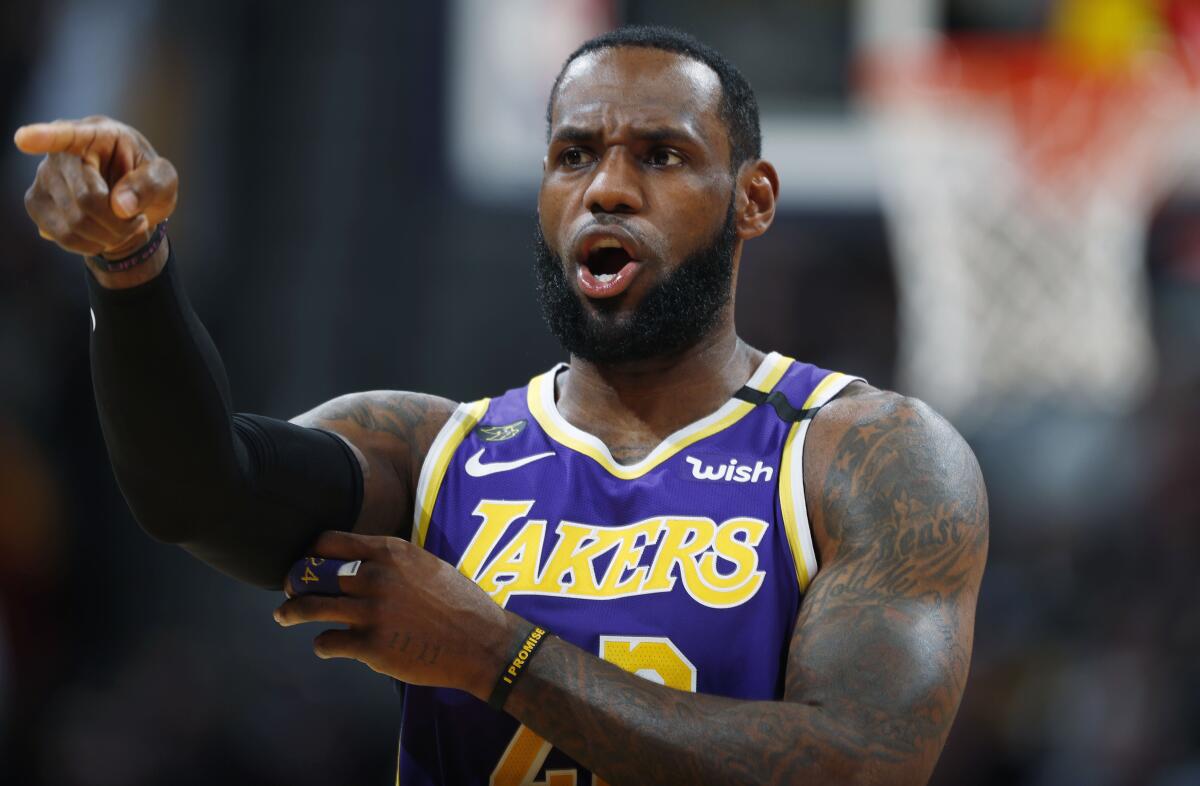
(674, 559)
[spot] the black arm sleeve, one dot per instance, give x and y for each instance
(245, 493)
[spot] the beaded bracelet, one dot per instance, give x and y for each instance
(137, 257)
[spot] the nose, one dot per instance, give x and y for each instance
(615, 187)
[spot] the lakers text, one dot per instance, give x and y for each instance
(716, 563)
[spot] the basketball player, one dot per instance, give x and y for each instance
(677, 559)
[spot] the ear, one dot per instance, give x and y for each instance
(758, 189)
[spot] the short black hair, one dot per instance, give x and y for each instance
(739, 107)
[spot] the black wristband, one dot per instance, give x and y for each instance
(137, 257)
(516, 667)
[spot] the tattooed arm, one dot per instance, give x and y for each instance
(879, 656)
(390, 432)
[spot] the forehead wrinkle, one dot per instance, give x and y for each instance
(638, 121)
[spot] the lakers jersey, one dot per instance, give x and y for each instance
(686, 568)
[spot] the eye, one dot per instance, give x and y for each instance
(664, 157)
(575, 157)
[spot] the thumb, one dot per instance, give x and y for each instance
(150, 188)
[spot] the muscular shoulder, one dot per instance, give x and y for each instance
(391, 432)
(884, 635)
(884, 471)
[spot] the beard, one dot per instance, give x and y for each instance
(675, 315)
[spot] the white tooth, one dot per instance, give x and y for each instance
(606, 242)
(604, 278)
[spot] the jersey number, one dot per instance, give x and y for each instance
(656, 659)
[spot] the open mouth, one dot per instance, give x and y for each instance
(607, 268)
(607, 259)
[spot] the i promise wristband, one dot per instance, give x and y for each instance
(137, 257)
(516, 667)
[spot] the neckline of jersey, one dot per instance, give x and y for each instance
(540, 398)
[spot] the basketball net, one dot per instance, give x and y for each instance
(1018, 180)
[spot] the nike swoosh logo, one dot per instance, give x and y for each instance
(477, 469)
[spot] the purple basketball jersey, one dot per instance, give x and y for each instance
(659, 566)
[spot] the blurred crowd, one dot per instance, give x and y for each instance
(327, 250)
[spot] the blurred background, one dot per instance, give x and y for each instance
(991, 204)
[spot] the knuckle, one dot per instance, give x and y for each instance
(51, 223)
(164, 172)
(74, 213)
(146, 180)
(394, 548)
(93, 200)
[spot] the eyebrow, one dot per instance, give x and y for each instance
(657, 134)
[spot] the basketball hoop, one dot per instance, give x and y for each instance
(1018, 185)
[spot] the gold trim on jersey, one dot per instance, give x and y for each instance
(791, 481)
(433, 469)
(540, 398)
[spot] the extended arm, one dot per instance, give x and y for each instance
(244, 493)
(880, 652)
(247, 494)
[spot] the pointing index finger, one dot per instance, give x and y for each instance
(56, 137)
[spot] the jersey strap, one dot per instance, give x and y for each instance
(783, 407)
(433, 469)
(791, 474)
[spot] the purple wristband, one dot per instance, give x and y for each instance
(137, 257)
(319, 576)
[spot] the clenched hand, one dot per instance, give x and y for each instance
(101, 189)
(411, 616)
